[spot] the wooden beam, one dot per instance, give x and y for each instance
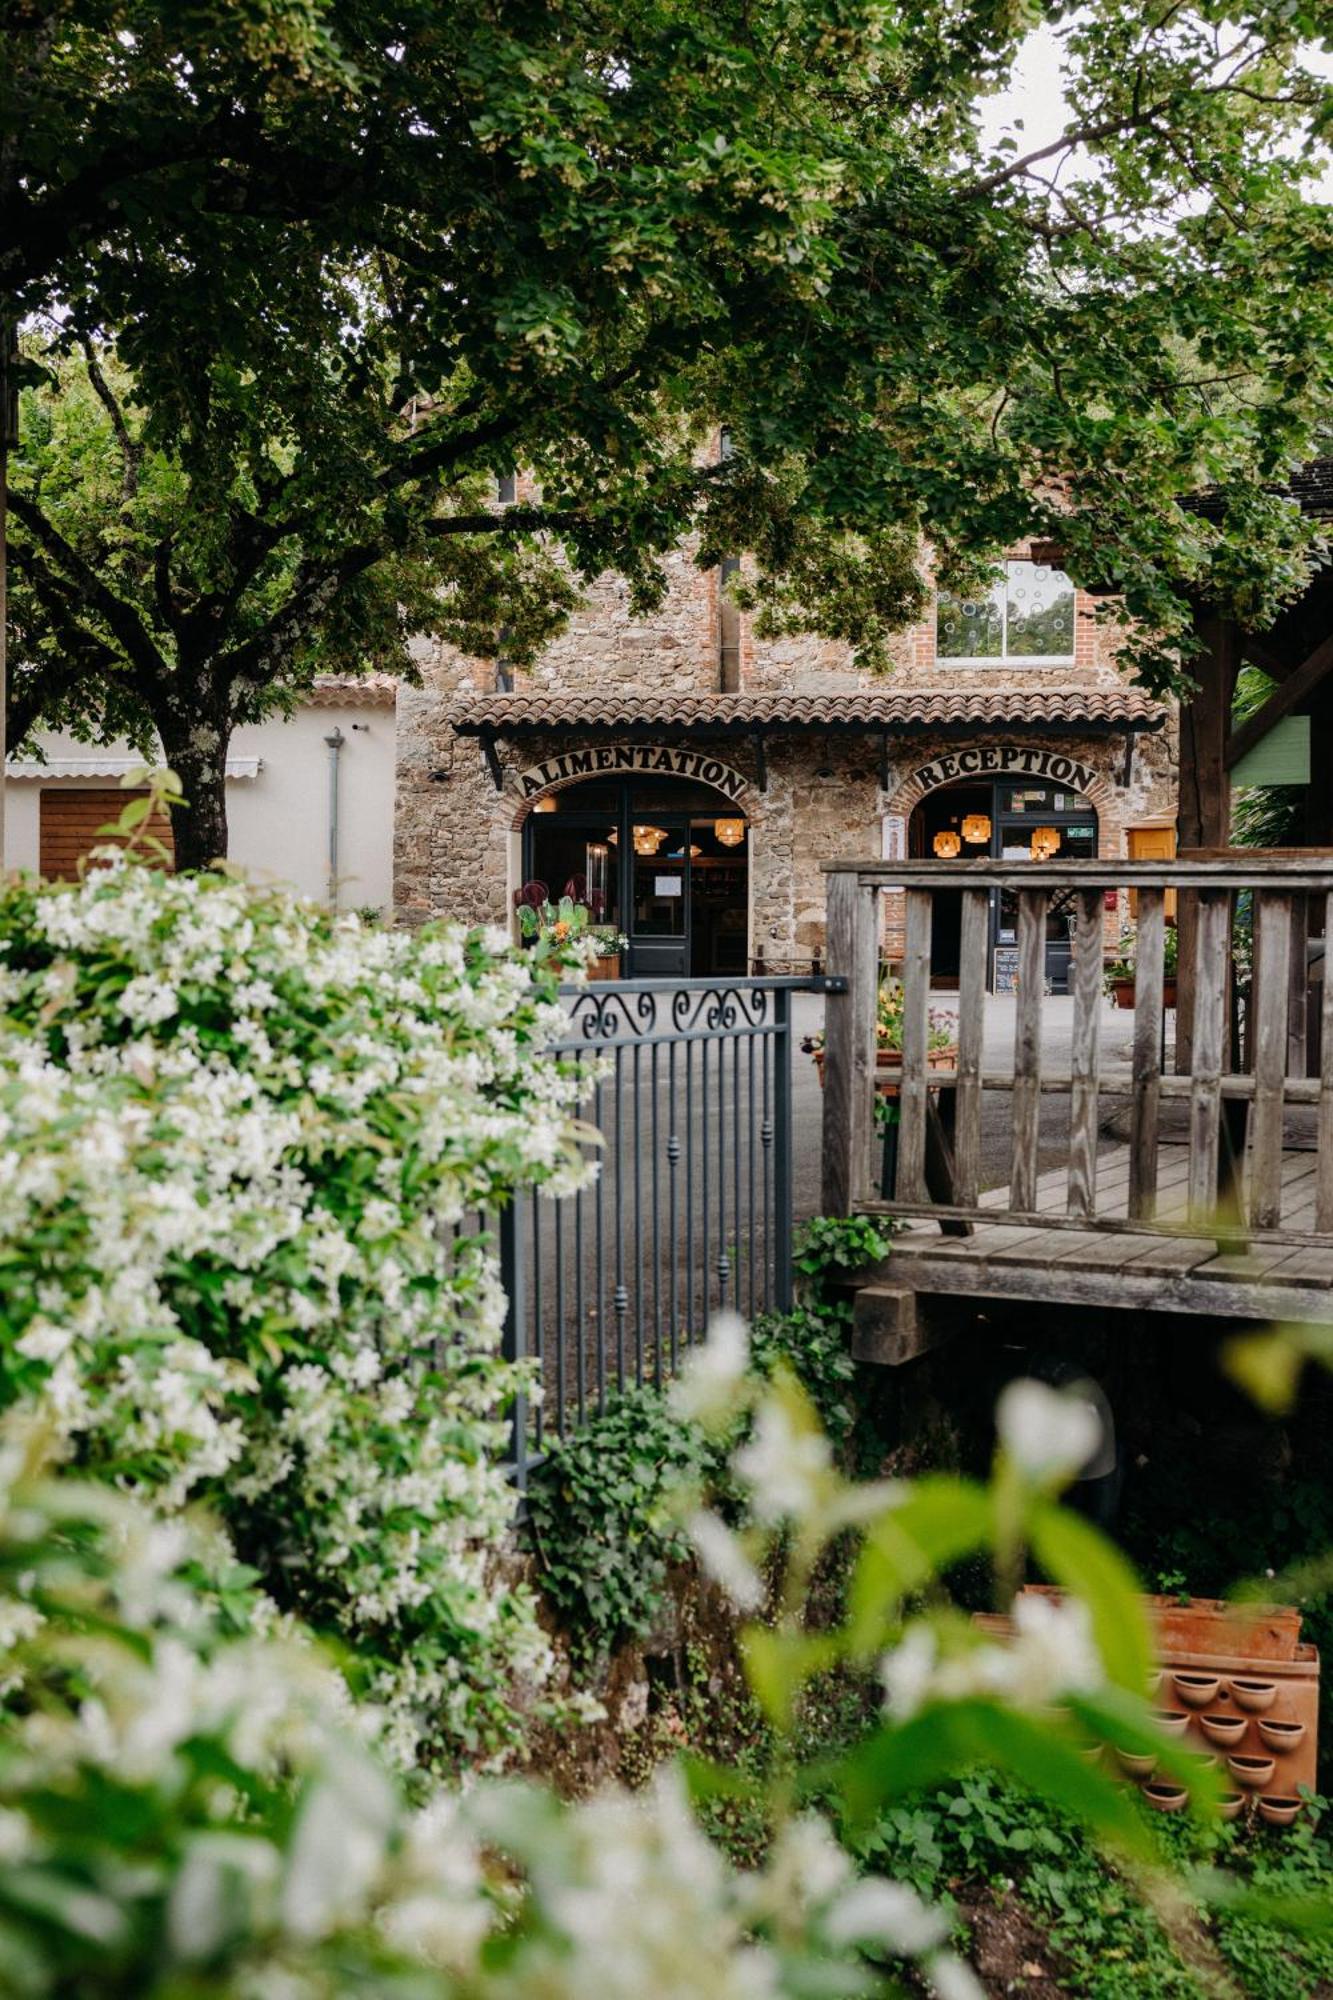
(1301, 682)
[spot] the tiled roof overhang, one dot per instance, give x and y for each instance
(1311, 486)
(905, 711)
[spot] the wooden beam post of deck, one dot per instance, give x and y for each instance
(1203, 816)
(849, 1044)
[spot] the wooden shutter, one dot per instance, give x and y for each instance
(70, 825)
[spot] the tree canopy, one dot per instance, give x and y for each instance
(338, 262)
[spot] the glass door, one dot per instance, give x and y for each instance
(659, 900)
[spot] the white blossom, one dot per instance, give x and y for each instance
(725, 1561)
(784, 1466)
(1050, 1434)
(1052, 1652)
(706, 1389)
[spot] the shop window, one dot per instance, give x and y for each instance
(1026, 618)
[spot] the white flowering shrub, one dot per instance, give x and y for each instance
(187, 1813)
(238, 1139)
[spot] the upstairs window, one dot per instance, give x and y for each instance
(1026, 618)
(506, 488)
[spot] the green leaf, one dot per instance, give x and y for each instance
(779, 1664)
(1076, 1556)
(941, 1520)
(948, 1738)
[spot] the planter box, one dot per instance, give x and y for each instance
(1122, 992)
(888, 1066)
(605, 968)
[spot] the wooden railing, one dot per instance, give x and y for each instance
(1234, 1130)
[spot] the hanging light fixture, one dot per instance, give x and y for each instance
(647, 839)
(976, 829)
(947, 845)
(546, 805)
(731, 832)
(1045, 842)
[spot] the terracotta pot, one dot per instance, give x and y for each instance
(1252, 1772)
(1255, 1697)
(1279, 1810)
(1206, 1760)
(1171, 1721)
(605, 968)
(1224, 1729)
(1231, 1805)
(1154, 1680)
(1197, 1690)
(1169, 990)
(1251, 1632)
(1137, 1763)
(1122, 992)
(1166, 1796)
(942, 1058)
(1281, 1736)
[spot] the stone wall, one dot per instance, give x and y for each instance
(455, 844)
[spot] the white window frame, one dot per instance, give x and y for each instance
(1002, 659)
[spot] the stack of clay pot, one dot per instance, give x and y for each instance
(1234, 1684)
(1238, 1686)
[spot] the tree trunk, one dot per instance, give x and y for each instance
(196, 750)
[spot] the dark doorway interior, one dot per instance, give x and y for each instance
(675, 860)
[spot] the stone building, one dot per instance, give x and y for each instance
(696, 777)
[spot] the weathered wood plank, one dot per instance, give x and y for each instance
(973, 950)
(849, 1046)
(1210, 940)
(1147, 1064)
(1086, 970)
(1271, 977)
(911, 1182)
(1032, 904)
(1128, 1288)
(1324, 1192)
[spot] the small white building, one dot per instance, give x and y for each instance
(309, 797)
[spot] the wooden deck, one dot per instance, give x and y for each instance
(1220, 1204)
(1134, 1267)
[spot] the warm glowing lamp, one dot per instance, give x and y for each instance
(976, 829)
(947, 845)
(647, 839)
(547, 805)
(1045, 842)
(731, 832)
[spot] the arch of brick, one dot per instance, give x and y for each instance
(748, 806)
(1099, 793)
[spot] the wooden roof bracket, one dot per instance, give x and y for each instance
(492, 756)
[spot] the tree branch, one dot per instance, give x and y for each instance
(120, 619)
(131, 450)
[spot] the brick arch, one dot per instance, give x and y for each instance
(748, 806)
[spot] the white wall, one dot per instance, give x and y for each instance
(278, 821)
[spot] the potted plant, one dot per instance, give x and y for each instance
(552, 928)
(1118, 977)
(941, 1040)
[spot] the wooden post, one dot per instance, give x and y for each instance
(911, 1181)
(1148, 982)
(1203, 814)
(849, 1044)
(1032, 905)
(1087, 984)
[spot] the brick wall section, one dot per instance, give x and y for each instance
(454, 833)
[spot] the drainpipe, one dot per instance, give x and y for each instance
(335, 743)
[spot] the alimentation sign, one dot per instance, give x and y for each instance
(662, 760)
(1004, 760)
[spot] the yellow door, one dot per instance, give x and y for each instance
(1152, 843)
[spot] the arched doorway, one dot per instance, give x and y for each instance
(665, 860)
(1011, 809)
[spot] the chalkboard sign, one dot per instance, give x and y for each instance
(1005, 971)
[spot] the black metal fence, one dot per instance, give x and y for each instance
(691, 1209)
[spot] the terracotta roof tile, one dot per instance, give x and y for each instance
(352, 690)
(895, 709)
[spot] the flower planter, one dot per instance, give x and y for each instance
(1252, 1772)
(605, 968)
(1135, 1763)
(1166, 1797)
(1231, 1805)
(1283, 1737)
(1255, 1697)
(1171, 1721)
(1196, 1690)
(1279, 1811)
(1225, 1730)
(1122, 992)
